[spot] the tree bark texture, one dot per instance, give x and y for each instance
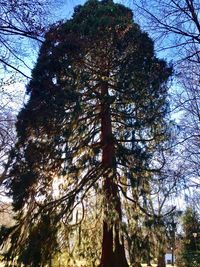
(113, 251)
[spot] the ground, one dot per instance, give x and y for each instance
(154, 265)
(143, 265)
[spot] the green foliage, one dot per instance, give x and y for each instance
(57, 161)
(96, 18)
(38, 242)
(189, 254)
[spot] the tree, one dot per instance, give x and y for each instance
(175, 26)
(21, 23)
(95, 118)
(148, 234)
(188, 101)
(189, 255)
(8, 103)
(6, 136)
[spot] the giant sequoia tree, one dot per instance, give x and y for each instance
(93, 127)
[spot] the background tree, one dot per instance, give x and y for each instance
(175, 27)
(160, 206)
(22, 27)
(95, 118)
(177, 24)
(149, 232)
(189, 254)
(9, 102)
(21, 21)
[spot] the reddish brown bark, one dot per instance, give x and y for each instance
(113, 252)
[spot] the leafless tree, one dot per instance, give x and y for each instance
(175, 27)
(10, 101)
(189, 102)
(20, 22)
(174, 24)
(22, 26)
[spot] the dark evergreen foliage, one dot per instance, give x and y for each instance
(95, 120)
(189, 254)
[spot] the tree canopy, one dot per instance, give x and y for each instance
(93, 129)
(189, 251)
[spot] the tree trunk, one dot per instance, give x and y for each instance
(113, 252)
(149, 261)
(148, 256)
(161, 260)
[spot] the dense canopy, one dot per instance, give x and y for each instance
(91, 134)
